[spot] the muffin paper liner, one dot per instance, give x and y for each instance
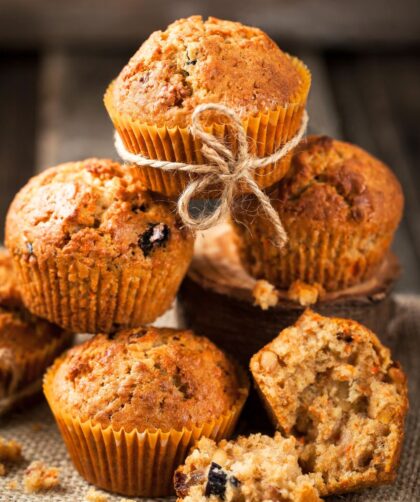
(266, 131)
(335, 259)
(91, 297)
(23, 377)
(133, 463)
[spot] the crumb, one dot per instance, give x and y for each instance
(2, 470)
(265, 295)
(95, 496)
(12, 485)
(39, 477)
(10, 451)
(305, 294)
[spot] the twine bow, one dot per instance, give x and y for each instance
(225, 168)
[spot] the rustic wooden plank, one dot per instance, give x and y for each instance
(18, 85)
(321, 22)
(322, 108)
(73, 121)
(364, 102)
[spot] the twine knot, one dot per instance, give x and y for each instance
(225, 167)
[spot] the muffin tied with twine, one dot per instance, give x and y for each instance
(28, 345)
(340, 208)
(130, 405)
(216, 69)
(93, 250)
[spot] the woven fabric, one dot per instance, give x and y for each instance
(36, 431)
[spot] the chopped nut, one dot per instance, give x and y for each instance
(95, 496)
(39, 477)
(219, 457)
(10, 451)
(305, 294)
(265, 295)
(12, 485)
(269, 360)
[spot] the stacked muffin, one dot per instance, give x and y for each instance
(97, 247)
(340, 208)
(95, 252)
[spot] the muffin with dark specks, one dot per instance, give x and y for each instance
(143, 397)
(93, 250)
(340, 207)
(196, 61)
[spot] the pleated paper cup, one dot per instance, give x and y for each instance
(93, 297)
(336, 259)
(133, 463)
(21, 377)
(266, 132)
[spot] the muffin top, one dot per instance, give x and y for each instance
(146, 378)
(195, 61)
(20, 331)
(95, 208)
(331, 182)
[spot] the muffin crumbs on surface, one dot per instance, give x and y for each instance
(3, 471)
(39, 477)
(305, 294)
(265, 295)
(10, 451)
(95, 496)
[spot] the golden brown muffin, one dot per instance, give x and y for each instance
(93, 250)
(340, 208)
(28, 345)
(159, 389)
(257, 468)
(331, 383)
(196, 61)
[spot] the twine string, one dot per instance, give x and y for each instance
(224, 167)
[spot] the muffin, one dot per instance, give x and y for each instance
(28, 345)
(196, 61)
(340, 208)
(331, 383)
(130, 404)
(255, 468)
(94, 250)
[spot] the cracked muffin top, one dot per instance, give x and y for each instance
(146, 378)
(198, 61)
(331, 182)
(97, 209)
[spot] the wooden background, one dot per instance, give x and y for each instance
(56, 59)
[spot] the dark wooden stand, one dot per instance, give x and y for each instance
(216, 299)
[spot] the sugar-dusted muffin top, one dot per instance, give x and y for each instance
(146, 378)
(253, 468)
(95, 208)
(331, 182)
(198, 61)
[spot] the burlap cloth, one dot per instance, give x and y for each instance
(36, 430)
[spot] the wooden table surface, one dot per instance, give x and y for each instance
(52, 111)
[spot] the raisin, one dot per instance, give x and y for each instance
(111, 336)
(156, 235)
(216, 484)
(180, 484)
(142, 208)
(344, 337)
